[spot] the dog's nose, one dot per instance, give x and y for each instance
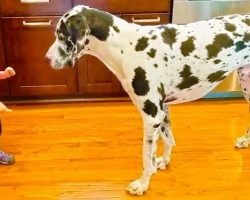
(47, 55)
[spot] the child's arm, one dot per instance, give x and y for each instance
(8, 72)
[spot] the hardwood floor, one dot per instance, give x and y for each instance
(93, 150)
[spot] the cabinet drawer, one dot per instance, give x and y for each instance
(127, 6)
(26, 41)
(34, 7)
(147, 19)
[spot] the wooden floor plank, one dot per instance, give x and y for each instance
(90, 151)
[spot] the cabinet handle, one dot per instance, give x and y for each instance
(153, 20)
(35, 1)
(48, 23)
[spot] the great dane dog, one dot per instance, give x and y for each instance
(157, 66)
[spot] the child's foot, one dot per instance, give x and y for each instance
(6, 159)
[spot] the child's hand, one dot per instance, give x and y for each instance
(3, 108)
(10, 71)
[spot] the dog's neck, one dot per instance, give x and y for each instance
(112, 46)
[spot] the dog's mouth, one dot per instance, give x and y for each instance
(61, 65)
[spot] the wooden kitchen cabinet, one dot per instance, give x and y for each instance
(95, 79)
(4, 84)
(127, 6)
(26, 40)
(34, 7)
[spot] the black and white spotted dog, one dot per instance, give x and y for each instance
(157, 66)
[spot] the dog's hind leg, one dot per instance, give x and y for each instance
(168, 140)
(152, 117)
(244, 79)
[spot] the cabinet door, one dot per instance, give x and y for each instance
(95, 79)
(4, 84)
(34, 7)
(26, 43)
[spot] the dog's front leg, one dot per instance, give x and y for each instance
(243, 141)
(150, 138)
(168, 140)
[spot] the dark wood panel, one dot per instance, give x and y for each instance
(20, 8)
(95, 78)
(4, 84)
(26, 46)
(147, 19)
(127, 6)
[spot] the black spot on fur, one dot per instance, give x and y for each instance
(69, 63)
(230, 27)
(152, 53)
(246, 37)
(220, 41)
(169, 35)
(166, 120)
(187, 79)
(86, 42)
(66, 15)
(99, 23)
(116, 29)
(187, 46)
(157, 125)
(237, 35)
(217, 61)
(122, 51)
(163, 129)
(161, 91)
(217, 76)
(62, 53)
(246, 21)
(155, 65)
(150, 142)
(140, 83)
(141, 44)
(154, 37)
(165, 59)
(150, 108)
(239, 46)
(245, 57)
(76, 27)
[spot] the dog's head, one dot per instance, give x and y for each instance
(71, 34)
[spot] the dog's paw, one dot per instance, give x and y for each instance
(137, 187)
(162, 163)
(242, 142)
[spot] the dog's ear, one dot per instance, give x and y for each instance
(77, 27)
